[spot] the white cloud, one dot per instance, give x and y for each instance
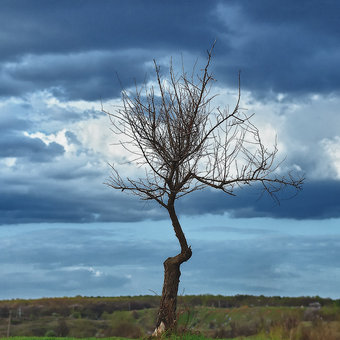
(307, 131)
(332, 148)
(94, 272)
(58, 137)
(8, 161)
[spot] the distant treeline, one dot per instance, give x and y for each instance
(94, 307)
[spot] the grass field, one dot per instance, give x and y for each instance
(182, 337)
(67, 319)
(270, 336)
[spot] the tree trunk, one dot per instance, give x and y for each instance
(166, 318)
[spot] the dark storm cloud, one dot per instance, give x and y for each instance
(14, 142)
(10, 123)
(61, 26)
(34, 149)
(58, 202)
(89, 76)
(317, 200)
(75, 49)
(289, 47)
(319, 17)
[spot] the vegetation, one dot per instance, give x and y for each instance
(234, 317)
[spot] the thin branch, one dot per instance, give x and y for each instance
(184, 145)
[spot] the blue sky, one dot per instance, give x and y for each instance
(64, 233)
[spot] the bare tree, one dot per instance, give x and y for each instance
(183, 145)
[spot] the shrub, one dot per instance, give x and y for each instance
(50, 333)
(76, 315)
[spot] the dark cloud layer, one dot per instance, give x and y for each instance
(289, 47)
(106, 24)
(75, 49)
(87, 25)
(317, 200)
(34, 149)
(89, 75)
(58, 203)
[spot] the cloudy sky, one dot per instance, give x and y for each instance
(64, 233)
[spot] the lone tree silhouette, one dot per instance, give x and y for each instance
(184, 145)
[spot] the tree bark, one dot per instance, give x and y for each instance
(166, 318)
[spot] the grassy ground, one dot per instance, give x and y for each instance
(60, 338)
(302, 332)
(194, 323)
(255, 323)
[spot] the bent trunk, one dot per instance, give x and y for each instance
(166, 318)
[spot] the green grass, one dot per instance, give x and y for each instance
(174, 337)
(177, 337)
(241, 323)
(59, 338)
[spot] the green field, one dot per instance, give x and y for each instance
(199, 318)
(183, 337)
